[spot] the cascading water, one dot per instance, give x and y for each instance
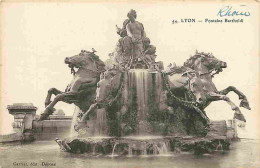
(146, 145)
(113, 150)
(142, 94)
(101, 123)
(162, 148)
(142, 86)
(130, 150)
(144, 153)
(94, 149)
(74, 121)
(99, 128)
(138, 79)
(137, 123)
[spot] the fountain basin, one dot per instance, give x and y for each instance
(144, 146)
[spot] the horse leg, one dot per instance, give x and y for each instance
(50, 92)
(49, 109)
(244, 103)
(238, 115)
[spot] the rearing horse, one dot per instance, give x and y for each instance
(81, 91)
(196, 76)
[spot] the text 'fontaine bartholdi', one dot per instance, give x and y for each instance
(226, 14)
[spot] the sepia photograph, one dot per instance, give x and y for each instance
(120, 84)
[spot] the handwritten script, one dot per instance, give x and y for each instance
(228, 11)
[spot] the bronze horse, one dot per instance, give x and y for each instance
(82, 89)
(196, 76)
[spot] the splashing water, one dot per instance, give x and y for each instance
(94, 149)
(145, 150)
(130, 151)
(162, 148)
(113, 151)
(74, 121)
(101, 127)
(143, 137)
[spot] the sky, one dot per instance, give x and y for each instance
(36, 37)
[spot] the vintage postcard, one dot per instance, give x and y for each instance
(129, 84)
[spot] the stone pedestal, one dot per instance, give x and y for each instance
(23, 116)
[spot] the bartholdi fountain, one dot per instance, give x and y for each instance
(130, 105)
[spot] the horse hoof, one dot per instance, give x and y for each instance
(42, 117)
(46, 113)
(245, 104)
(239, 117)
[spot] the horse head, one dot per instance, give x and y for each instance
(87, 60)
(205, 63)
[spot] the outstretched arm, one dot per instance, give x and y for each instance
(90, 110)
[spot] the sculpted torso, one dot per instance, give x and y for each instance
(177, 81)
(103, 88)
(135, 30)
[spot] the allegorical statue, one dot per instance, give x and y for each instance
(133, 49)
(124, 47)
(149, 52)
(135, 30)
(81, 91)
(196, 76)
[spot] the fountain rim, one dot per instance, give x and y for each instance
(143, 70)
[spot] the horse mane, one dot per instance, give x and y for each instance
(93, 57)
(190, 62)
(99, 63)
